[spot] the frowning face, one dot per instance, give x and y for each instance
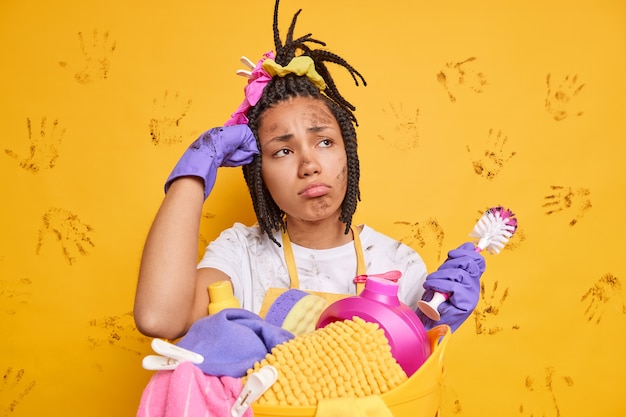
(304, 163)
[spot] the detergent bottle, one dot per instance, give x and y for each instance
(221, 297)
(379, 303)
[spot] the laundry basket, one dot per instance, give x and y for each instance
(418, 396)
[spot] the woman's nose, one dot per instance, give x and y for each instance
(308, 166)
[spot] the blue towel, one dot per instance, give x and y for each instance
(232, 340)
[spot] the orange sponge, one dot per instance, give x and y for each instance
(350, 358)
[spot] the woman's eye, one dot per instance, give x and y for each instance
(282, 152)
(326, 143)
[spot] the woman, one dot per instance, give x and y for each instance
(295, 137)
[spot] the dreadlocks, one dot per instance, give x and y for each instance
(269, 215)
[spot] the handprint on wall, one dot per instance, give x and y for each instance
(14, 389)
(540, 396)
(68, 230)
(516, 240)
(428, 233)
(14, 294)
(450, 403)
(604, 294)
(459, 76)
(97, 51)
(489, 162)
(169, 111)
(488, 309)
(568, 199)
(402, 132)
(560, 98)
(43, 146)
(117, 331)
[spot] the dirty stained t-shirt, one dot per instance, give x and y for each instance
(255, 263)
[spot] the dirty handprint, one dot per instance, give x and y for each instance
(169, 113)
(43, 146)
(118, 331)
(68, 230)
(560, 98)
(402, 131)
(460, 75)
(13, 390)
(488, 309)
(604, 294)
(97, 51)
(14, 294)
(428, 233)
(540, 397)
(489, 162)
(567, 199)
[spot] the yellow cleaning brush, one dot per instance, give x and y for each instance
(350, 358)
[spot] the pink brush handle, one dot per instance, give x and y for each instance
(430, 308)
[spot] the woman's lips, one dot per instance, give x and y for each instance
(314, 190)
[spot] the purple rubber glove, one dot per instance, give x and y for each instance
(230, 146)
(232, 340)
(458, 276)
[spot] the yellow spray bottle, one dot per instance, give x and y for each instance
(221, 296)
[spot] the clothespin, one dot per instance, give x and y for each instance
(258, 382)
(245, 73)
(170, 356)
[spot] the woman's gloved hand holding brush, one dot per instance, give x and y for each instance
(459, 276)
(452, 291)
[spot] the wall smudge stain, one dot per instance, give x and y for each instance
(404, 129)
(492, 160)
(14, 294)
(165, 124)
(457, 76)
(97, 53)
(607, 290)
(118, 331)
(426, 233)
(559, 98)
(43, 147)
(567, 199)
(450, 404)
(488, 309)
(13, 390)
(68, 230)
(541, 397)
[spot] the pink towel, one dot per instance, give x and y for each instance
(188, 392)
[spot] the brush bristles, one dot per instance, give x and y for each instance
(494, 229)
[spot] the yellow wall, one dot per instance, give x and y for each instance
(469, 105)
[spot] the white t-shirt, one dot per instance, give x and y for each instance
(254, 264)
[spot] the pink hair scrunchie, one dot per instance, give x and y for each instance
(263, 72)
(252, 91)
